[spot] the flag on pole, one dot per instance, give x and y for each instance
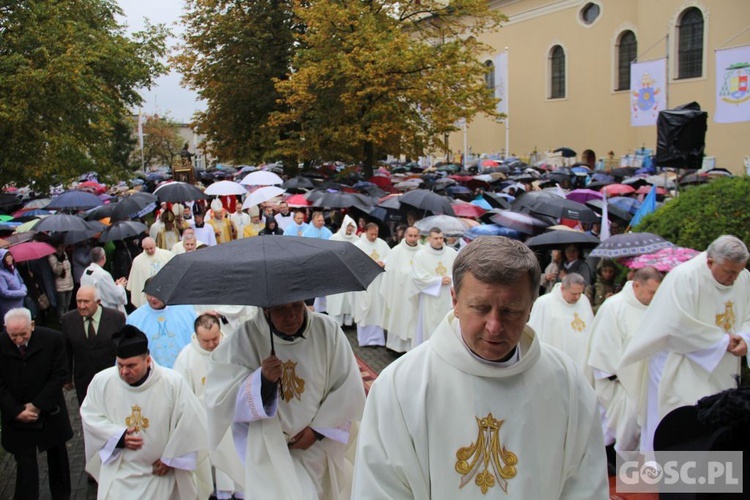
(604, 232)
(648, 206)
(501, 83)
(732, 85)
(648, 81)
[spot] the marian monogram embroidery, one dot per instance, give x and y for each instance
(577, 324)
(136, 419)
(375, 255)
(441, 269)
(483, 460)
(725, 321)
(291, 385)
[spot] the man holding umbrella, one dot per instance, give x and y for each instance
(291, 412)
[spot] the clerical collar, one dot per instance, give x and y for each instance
(437, 249)
(284, 336)
(200, 226)
(143, 380)
(514, 358)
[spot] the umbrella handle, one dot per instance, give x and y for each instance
(273, 353)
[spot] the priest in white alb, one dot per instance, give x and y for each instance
(431, 280)
(192, 364)
(483, 410)
(695, 331)
(145, 265)
(339, 306)
(292, 405)
(619, 391)
(367, 305)
(563, 317)
(400, 312)
(143, 428)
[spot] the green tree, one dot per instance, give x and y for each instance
(161, 142)
(384, 76)
(68, 77)
(702, 213)
(231, 55)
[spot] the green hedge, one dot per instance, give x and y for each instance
(702, 213)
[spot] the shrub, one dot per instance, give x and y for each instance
(701, 214)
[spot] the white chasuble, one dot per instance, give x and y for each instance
(441, 424)
(320, 388)
(434, 299)
(401, 303)
(562, 325)
(145, 266)
(168, 417)
(339, 306)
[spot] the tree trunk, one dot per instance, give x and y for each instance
(369, 162)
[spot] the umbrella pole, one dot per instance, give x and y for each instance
(273, 349)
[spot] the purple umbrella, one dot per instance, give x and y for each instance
(584, 195)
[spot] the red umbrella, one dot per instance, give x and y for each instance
(461, 178)
(297, 201)
(31, 250)
(467, 210)
(647, 189)
(380, 181)
(617, 190)
(663, 260)
(92, 186)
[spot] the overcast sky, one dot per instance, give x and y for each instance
(167, 96)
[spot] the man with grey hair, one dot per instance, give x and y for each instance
(695, 332)
(563, 317)
(514, 414)
(112, 293)
(188, 243)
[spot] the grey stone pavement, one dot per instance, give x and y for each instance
(376, 357)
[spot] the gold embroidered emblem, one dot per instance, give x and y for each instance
(291, 385)
(136, 419)
(375, 255)
(486, 456)
(203, 380)
(725, 321)
(441, 269)
(577, 324)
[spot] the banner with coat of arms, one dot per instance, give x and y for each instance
(732, 92)
(648, 81)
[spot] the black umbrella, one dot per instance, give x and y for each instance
(427, 200)
(178, 192)
(612, 210)
(630, 245)
(123, 229)
(298, 182)
(343, 200)
(562, 208)
(561, 238)
(272, 265)
(526, 202)
(133, 206)
(73, 237)
(74, 200)
(496, 200)
(100, 212)
(60, 223)
(566, 152)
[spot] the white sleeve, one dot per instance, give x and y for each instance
(709, 358)
(249, 403)
(109, 451)
(185, 462)
(110, 292)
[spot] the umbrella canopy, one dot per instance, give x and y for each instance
(61, 223)
(271, 264)
(74, 200)
(520, 222)
(493, 230)
(20, 237)
(123, 229)
(612, 210)
(526, 202)
(135, 205)
(298, 182)
(497, 200)
(262, 178)
(467, 210)
(225, 188)
(566, 152)
(630, 245)
(663, 260)
(617, 189)
(178, 192)
(31, 250)
(647, 189)
(584, 195)
(297, 201)
(562, 208)
(427, 200)
(559, 239)
(630, 205)
(93, 228)
(37, 203)
(27, 226)
(261, 195)
(661, 181)
(450, 226)
(342, 200)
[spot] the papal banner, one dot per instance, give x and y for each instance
(501, 84)
(648, 81)
(732, 92)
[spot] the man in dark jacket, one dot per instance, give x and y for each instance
(32, 405)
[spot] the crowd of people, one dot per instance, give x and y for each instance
(495, 387)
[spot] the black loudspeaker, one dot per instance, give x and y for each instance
(681, 136)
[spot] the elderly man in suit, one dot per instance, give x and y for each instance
(88, 339)
(34, 415)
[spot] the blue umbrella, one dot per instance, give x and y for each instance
(74, 200)
(454, 190)
(493, 230)
(630, 205)
(481, 202)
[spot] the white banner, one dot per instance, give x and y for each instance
(732, 92)
(501, 84)
(648, 82)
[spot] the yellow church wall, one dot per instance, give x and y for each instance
(593, 115)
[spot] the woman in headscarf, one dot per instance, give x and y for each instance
(12, 288)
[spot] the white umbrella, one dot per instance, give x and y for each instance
(261, 195)
(225, 188)
(261, 178)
